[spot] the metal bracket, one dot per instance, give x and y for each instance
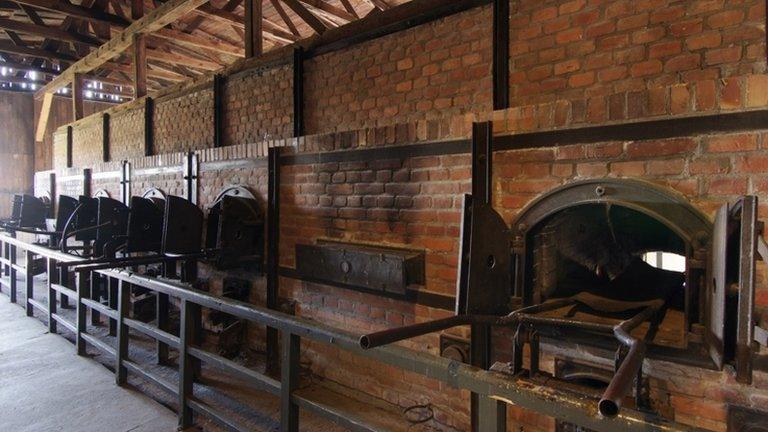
(191, 171)
(125, 182)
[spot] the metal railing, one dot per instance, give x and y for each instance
(495, 389)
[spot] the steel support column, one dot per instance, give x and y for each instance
(273, 252)
(500, 54)
(298, 92)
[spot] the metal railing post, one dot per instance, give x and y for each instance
(121, 353)
(289, 382)
(492, 415)
(52, 279)
(95, 295)
(112, 285)
(186, 366)
(161, 313)
(64, 281)
(82, 288)
(29, 281)
(6, 255)
(12, 283)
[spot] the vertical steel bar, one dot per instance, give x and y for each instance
(492, 416)
(52, 279)
(745, 331)
(82, 292)
(289, 382)
(112, 285)
(273, 252)
(95, 283)
(4, 255)
(161, 314)
(500, 54)
(13, 282)
(64, 279)
(298, 92)
(123, 298)
(186, 368)
(29, 281)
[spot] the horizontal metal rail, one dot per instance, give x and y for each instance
(65, 322)
(136, 369)
(37, 305)
(98, 343)
(521, 392)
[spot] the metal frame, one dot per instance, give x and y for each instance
(493, 389)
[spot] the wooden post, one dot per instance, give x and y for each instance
(77, 97)
(254, 45)
(45, 112)
(139, 65)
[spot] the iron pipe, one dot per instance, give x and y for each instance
(621, 383)
(386, 337)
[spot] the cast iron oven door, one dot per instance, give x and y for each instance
(236, 229)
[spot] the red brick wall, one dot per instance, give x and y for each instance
(434, 70)
(184, 123)
(59, 149)
(88, 142)
(582, 49)
(258, 105)
(126, 135)
(61, 114)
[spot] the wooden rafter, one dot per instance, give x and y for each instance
(306, 15)
(286, 19)
(80, 12)
(153, 21)
(48, 32)
(381, 4)
(348, 6)
(330, 9)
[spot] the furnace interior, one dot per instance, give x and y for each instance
(609, 250)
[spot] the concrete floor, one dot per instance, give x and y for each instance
(45, 386)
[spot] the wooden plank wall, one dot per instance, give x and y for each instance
(17, 144)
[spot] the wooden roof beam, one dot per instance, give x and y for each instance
(48, 32)
(284, 15)
(75, 11)
(153, 21)
(307, 16)
(330, 9)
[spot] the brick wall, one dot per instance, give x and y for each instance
(184, 123)
(582, 49)
(88, 143)
(438, 69)
(61, 114)
(126, 135)
(258, 105)
(60, 149)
